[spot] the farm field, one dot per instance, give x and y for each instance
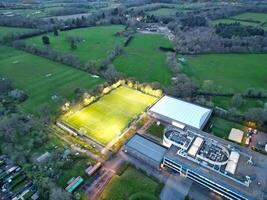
(41, 78)
(247, 19)
(221, 127)
(132, 184)
(106, 118)
(250, 16)
(143, 60)
(96, 42)
(4, 30)
(163, 12)
(229, 72)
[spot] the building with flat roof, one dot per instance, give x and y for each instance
(236, 135)
(145, 149)
(180, 113)
(233, 171)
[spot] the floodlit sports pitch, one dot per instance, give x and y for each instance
(109, 116)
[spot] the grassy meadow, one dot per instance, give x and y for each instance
(132, 184)
(247, 19)
(163, 12)
(96, 42)
(229, 72)
(143, 60)
(221, 127)
(106, 118)
(41, 78)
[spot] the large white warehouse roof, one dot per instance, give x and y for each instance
(181, 111)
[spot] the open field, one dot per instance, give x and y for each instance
(41, 78)
(229, 72)
(222, 127)
(250, 16)
(106, 118)
(247, 19)
(132, 183)
(4, 30)
(143, 60)
(96, 42)
(163, 12)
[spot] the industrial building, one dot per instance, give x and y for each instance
(233, 171)
(146, 150)
(180, 113)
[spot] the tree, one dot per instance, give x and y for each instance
(6, 85)
(55, 32)
(237, 100)
(46, 40)
(256, 114)
(59, 194)
(73, 45)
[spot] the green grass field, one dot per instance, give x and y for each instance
(261, 17)
(230, 72)
(163, 12)
(98, 42)
(4, 30)
(41, 78)
(156, 130)
(106, 118)
(247, 19)
(143, 60)
(222, 127)
(132, 183)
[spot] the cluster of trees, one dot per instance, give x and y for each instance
(205, 40)
(68, 11)
(237, 30)
(193, 21)
(25, 22)
(22, 138)
(68, 59)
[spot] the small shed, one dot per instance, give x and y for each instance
(236, 135)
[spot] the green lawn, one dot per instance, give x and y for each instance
(4, 30)
(41, 78)
(221, 127)
(229, 72)
(247, 19)
(156, 130)
(143, 60)
(96, 45)
(225, 102)
(132, 183)
(230, 21)
(261, 17)
(106, 118)
(163, 12)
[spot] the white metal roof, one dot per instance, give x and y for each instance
(181, 111)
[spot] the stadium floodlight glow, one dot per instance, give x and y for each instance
(66, 106)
